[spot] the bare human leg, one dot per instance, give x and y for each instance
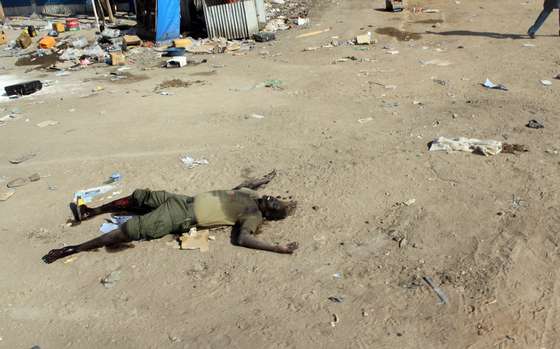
(126, 204)
(113, 238)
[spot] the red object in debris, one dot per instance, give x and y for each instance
(72, 24)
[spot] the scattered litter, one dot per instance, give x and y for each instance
(115, 177)
(257, 116)
(337, 275)
(557, 76)
(24, 88)
(264, 36)
(516, 202)
(88, 195)
(272, 83)
(70, 259)
(346, 59)
(364, 39)
(528, 45)
(302, 21)
(190, 162)
(438, 62)
(111, 280)
(336, 299)
(430, 10)
(439, 292)
(365, 120)
(409, 202)
(276, 24)
(18, 182)
(335, 321)
(22, 158)
(490, 85)
(195, 240)
(117, 58)
(313, 33)
(176, 62)
(471, 145)
(440, 82)
(513, 148)
(6, 193)
(546, 82)
(108, 227)
(392, 52)
(47, 123)
(534, 124)
(177, 83)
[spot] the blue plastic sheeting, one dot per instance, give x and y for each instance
(168, 20)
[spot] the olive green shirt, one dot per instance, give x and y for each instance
(228, 207)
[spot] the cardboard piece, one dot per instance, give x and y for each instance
(364, 39)
(132, 40)
(117, 58)
(24, 40)
(195, 241)
(58, 26)
(47, 42)
(6, 193)
(184, 43)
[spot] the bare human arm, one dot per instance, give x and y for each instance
(256, 183)
(248, 225)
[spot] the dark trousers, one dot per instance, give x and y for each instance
(547, 10)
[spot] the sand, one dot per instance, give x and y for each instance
(377, 211)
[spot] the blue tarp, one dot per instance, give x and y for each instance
(168, 20)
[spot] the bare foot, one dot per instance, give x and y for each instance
(58, 253)
(289, 248)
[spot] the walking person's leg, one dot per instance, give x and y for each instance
(540, 21)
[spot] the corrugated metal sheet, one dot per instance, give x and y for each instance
(231, 20)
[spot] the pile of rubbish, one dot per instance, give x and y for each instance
(288, 9)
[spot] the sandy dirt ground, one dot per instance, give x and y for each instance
(483, 228)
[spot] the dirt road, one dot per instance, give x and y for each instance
(349, 140)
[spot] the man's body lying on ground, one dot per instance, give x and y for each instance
(160, 213)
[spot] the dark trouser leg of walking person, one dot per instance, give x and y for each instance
(540, 21)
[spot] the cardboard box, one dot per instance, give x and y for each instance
(47, 42)
(117, 58)
(59, 27)
(24, 40)
(131, 40)
(364, 39)
(184, 43)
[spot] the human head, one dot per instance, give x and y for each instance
(274, 209)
